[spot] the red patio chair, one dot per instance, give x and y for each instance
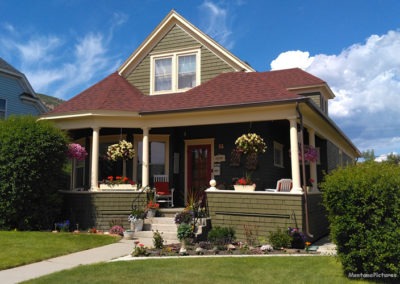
(162, 192)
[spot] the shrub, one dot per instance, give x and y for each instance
(363, 204)
(221, 235)
(279, 239)
(32, 155)
(185, 231)
(158, 240)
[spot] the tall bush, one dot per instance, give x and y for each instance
(363, 203)
(32, 155)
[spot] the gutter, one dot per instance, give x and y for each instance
(303, 167)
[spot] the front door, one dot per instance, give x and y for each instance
(198, 166)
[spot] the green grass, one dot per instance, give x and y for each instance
(19, 248)
(315, 269)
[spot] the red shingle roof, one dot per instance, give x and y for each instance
(227, 89)
(112, 93)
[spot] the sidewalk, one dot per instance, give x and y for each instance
(34, 270)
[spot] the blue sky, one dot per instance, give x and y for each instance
(65, 46)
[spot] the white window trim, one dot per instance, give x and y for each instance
(278, 146)
(152, 138)
(174, 71)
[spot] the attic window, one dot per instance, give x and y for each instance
(175, 72)
(2, 108)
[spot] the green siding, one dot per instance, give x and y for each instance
(100, 209)
(263, 213)
(175, 39)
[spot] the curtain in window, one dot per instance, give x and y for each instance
(186, 71)
(163, 74)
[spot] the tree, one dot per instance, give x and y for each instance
(32, 155)
(368, 155)
(393, 159)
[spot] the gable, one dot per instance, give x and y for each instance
(174, 41)
(176, 35)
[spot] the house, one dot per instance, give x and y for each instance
(182, 100)
(16, 93)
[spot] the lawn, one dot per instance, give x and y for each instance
(19, 248)
(293, 269)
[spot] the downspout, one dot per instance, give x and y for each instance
(303, 167)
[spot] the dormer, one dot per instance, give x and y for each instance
(176, 57)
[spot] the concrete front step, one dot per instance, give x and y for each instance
(161, 228)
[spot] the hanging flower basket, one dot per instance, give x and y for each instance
(76, 151)
(251, 143)
(123, 150)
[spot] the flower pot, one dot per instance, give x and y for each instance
(251, 187)
(128, 234)
(137, 225)
(118, 187)
(151, 213)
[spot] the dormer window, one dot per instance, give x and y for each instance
(175, 72)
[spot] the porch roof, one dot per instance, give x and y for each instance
(227, 89)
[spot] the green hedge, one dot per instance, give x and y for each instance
(32, 155)
(363, 203)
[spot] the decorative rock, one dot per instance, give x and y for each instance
(267, 248)
(200, 251)
(231, 247)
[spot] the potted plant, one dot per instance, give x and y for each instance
(245, 184)
(136, 219)
(152, 208)
(118, 182)
(185, 231)
(251, 145)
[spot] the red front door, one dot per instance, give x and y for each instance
(198, 166)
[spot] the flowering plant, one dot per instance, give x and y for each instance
(245, 180)
(123, 150)
(117, 230)
(136, 214)
(250, 143)
(184, 217)
(76, 151)
(310, 153)
(118, 180)
(152, 205)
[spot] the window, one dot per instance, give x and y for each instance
(175, 72)
(2, 108)
(158, 156)
(278, 155)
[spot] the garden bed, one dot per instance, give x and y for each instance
(206, 249)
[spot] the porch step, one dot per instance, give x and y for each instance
(165, 225)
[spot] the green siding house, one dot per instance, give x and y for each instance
(182, 99)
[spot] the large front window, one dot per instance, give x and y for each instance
(175, 72)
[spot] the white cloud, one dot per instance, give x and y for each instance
(215, 23)
(50, 64)
(365, 78)
(291, 59)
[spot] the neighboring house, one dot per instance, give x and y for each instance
(16, 93)
(183, 99)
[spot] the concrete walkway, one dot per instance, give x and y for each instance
(120, 250)
(34, 270)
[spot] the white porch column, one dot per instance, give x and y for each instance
(95, 160)
(313, 165)
(145, 155)
(294, 149)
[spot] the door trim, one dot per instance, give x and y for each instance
(193, 142)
